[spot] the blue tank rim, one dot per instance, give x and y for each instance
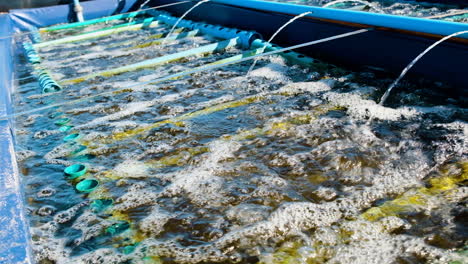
(410, 24)
(15, 237)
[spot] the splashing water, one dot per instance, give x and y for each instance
(276, 33)
(357, 1)
(178, 75)
(412, 63)
(275, 168)
(180, 19)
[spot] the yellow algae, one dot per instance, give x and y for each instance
(198, 150)
(155, 36)
(316, 178)
(144, 45)
(280, 125)
(118, 215)
(176, 120)
(108, 175)
(374, 214)
(418, 197)
(73, 81)
(287, 254)
(137, 236)
(302, 119)
(179, 124)
(246, 134)
(442, 184)
(173, 160)
(99, 193)
(297, 252)
(178, 158)
(123, 91)
(117, 71)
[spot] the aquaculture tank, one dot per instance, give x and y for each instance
(223, 131)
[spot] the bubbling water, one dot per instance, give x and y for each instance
(402, 8)
(275, 167)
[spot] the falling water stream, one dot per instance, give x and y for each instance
(180, 19)
(275, 34)
(413, 62)
(409, 66)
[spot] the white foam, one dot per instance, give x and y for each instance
(154, 223)
(131, 169)
(273, 71)
(310, 87)
(362, 109)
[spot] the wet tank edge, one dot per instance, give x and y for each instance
(14, 237)
(2, 138)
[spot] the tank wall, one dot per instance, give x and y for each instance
(6, 5)
(14, 236)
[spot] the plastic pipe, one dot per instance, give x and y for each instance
(100, 205)
(75, 171)
(170, 20)
(147, 23)
(245, 37)
(435, 27)
(31, 53)
(92, 22)
(62, 121)
(170, 38)
(160, 60)
(47, 83)
(35, 36)
(72, 137)
(177, 75)
(118, 228)
(87, 185)
(65, 128)
(135, 22)
(56, 114)
(106, 19)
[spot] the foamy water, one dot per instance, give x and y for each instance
(398, 7)
(276, 167)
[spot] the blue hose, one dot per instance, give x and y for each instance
(31, 53)
(35, 36)
(245, 37)
(47, 84)
(170, 20)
